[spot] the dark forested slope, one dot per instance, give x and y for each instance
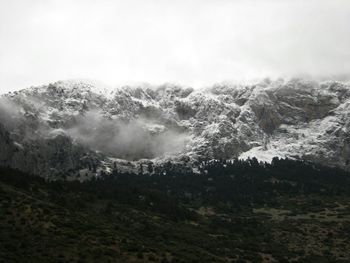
(240, 211)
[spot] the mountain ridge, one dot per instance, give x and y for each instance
(295, 118)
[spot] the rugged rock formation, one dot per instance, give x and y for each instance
(55, 129)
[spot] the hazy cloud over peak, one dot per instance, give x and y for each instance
(192, 42)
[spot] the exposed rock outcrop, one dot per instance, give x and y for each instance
(57, 125)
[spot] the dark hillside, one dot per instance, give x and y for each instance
(240, 211)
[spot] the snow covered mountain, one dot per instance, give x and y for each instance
(77, 127)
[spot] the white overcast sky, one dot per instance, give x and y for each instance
(193, 42)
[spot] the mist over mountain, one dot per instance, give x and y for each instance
(132, 140)
(67, 126)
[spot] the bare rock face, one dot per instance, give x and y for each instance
(45, 157)
(295, 102)
(72, 126)
(268, 115)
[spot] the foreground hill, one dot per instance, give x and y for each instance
(68, 126)
(235, 212)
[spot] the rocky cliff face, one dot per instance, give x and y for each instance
(72, 126)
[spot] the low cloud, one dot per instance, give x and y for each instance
(10, 114)
(132, 140)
